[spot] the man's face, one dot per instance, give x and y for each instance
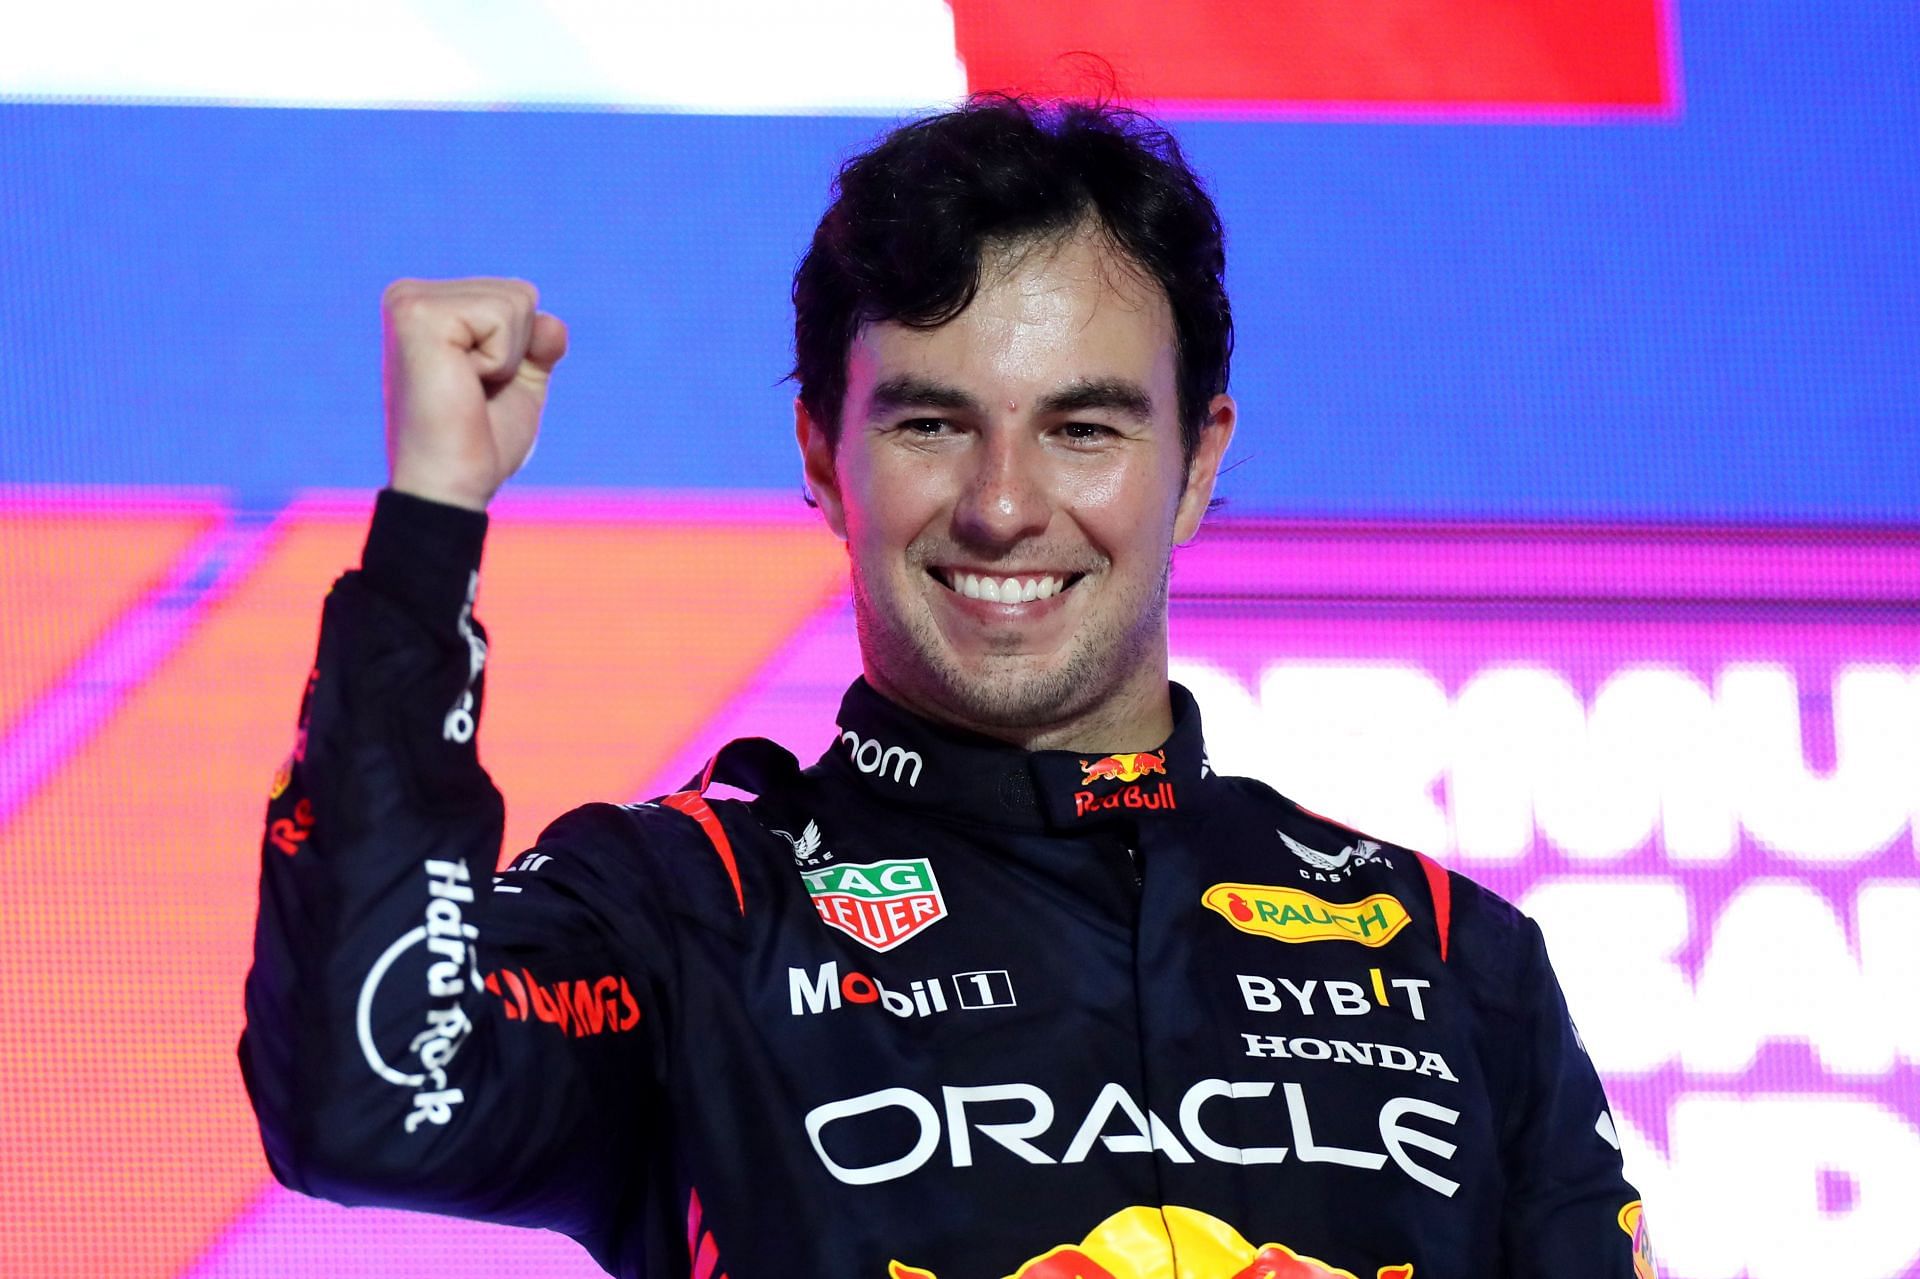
(1010, 486)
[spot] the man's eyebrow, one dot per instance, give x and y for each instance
(905, 391)
(1116, 394)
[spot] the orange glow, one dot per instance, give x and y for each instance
(126, 1124)
(66, 573)
(612, 642)
(126, 1119)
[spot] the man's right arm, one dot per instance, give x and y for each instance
(417, 1037)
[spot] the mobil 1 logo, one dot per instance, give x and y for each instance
(827, 989)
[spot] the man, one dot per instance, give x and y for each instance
(1009, 982)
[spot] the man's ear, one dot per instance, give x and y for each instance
(817, 465)
(1215, 434)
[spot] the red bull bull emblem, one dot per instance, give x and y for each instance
(1169, 1243)
(1633, 1221)
(1127, 769)
(1292, 915)
(1124, 768)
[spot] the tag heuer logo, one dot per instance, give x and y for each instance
(880, 904)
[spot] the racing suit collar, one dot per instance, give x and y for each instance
(910, 760)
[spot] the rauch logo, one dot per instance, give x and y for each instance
(1288, 914)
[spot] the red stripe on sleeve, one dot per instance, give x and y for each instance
(695, 806)
(1442, 889)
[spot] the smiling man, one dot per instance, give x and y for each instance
(1010, 485)
(1009, 981)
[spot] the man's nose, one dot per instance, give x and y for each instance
(1005, 499)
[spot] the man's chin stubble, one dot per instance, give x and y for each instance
(912, 659)
(1011, 700)
(915, 663)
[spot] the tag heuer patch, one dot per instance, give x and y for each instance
(880, 904)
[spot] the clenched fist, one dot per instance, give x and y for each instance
(467, 365)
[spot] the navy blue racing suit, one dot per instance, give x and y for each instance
(932, 1006)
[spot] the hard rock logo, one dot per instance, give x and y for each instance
(1288, 914)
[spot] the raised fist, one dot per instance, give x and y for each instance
(467, 365)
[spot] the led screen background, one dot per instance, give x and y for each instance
(1574, 538)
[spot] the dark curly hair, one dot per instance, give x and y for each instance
(910, 218)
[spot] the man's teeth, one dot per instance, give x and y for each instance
(1007, 590)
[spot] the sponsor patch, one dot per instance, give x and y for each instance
(1291, 915)
(449, 939)
(879, 904)
(589, 1006)
(1123, 771)
(1348, 1052)
(1331, 868)
(827, 989)
(1145, 1240)
(874, 758)
(1633, 1221)
(1028, 1124)
(1332, 997)
(1156, 797)
(288, 833)
(1123, 768)
(807, 848)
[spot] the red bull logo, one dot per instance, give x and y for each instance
(1124, 768)
(1155, 797)
(1169, 1243)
